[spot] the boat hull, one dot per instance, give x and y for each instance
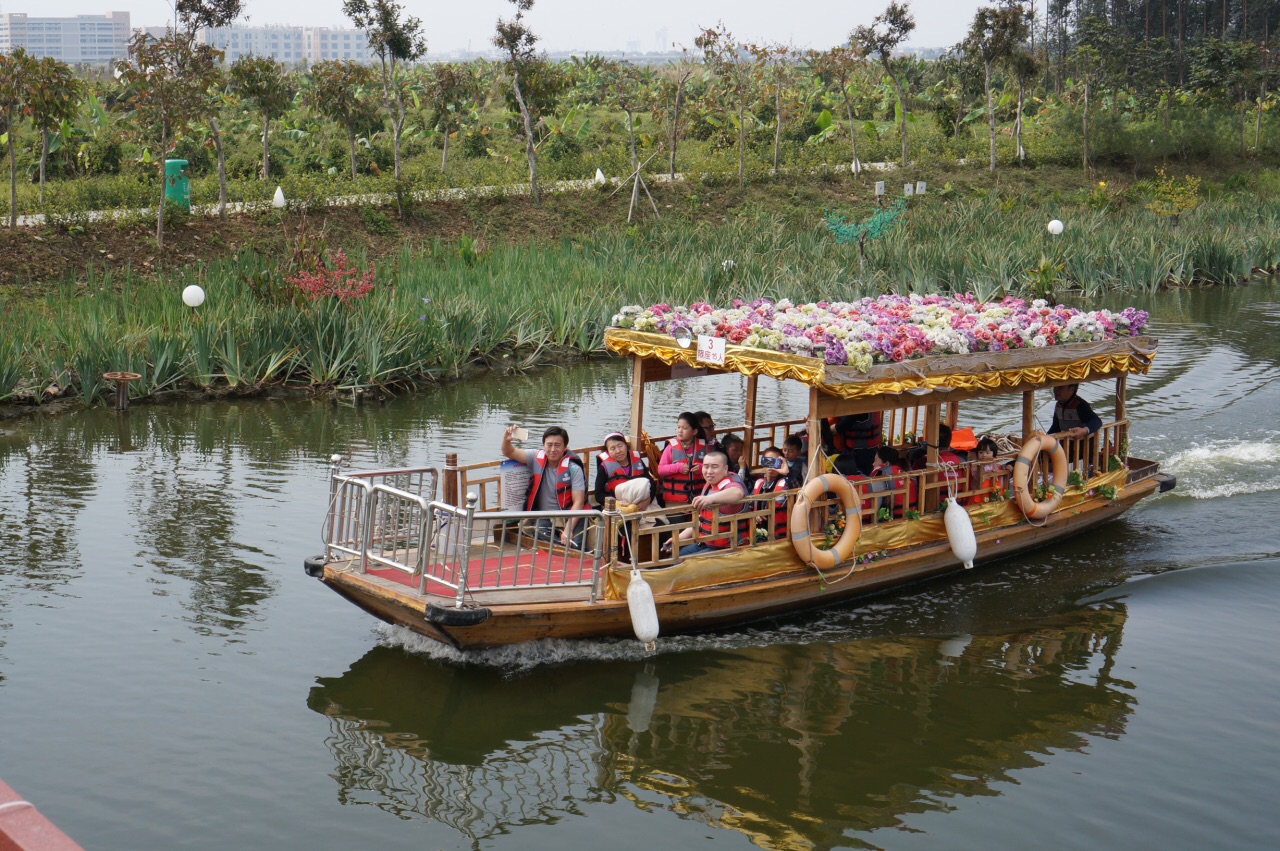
(794, 590)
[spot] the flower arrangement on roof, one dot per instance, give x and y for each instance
(887, 329)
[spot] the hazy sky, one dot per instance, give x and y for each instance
(584, 24)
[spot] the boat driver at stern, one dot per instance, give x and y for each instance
(557, 481)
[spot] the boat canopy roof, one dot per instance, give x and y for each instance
(893, 344)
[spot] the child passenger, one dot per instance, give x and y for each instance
(986, 477)
(773, 480)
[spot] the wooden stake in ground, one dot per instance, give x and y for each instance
(637, 183)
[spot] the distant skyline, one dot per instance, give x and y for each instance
(583, 25)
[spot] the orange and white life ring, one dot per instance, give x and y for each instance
(802, 535)
(1031, 450)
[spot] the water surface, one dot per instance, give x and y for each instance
(169, 678)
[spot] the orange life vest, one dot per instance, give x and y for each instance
(564, 479)
(707, 523)
(679, 489)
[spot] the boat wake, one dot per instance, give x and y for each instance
(1226, 468)
(833, 625)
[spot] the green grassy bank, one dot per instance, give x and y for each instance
(515, 305)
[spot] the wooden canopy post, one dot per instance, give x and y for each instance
(815, 432)
(451, 478)
(932, 419)
(1028, 413)
(637, 401)
(749, 424)
(1122, 382)
(953, 415)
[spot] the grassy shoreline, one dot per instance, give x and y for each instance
(543, 287)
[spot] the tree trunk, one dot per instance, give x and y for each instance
(1017, 126)
(902, 101)
(1244, 121)
(1257, 130)
(991, 110)
(266, 153)
(853, 135)
(13, 169)
(222, 167)
(397, 128)
(631, 139)
(351, 149)
(444, 158)
(530, 154)
(742, 142)
(1084, 126)
(675, 130)
(164, 146)
(44, 157)
(777, 133)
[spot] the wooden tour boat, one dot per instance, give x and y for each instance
(442, 552)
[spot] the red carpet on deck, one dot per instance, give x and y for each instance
(532, 568)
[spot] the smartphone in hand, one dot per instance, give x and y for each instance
(520, 433)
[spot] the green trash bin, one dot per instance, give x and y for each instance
(177, 183)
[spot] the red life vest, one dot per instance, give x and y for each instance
(780, 513)
(679, 489)
(860, 489)
(906, 488)
(707, 524)
(859, 431)
(952, 476)
(616, 474)
(564, 479)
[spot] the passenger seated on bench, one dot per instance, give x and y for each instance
(793, 451)
(564, 488)
(707, 430)
(950, 462)
(986, 478)
(887, 464)
(732, 445)
(722, 496)
(774, 480)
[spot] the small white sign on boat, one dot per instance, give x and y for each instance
(711, 349)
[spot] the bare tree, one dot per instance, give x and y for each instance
(994, 35)
(395, 40)
(735, 66)
(888, 30)
(517, 41)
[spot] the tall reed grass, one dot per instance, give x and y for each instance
(513, 306)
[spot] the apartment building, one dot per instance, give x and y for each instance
(89, 39)
(290, 44)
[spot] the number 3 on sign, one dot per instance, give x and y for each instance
(711, 349)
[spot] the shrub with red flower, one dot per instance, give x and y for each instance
(339, 280)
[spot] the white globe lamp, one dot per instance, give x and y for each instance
(193, 296)
(1055, 227)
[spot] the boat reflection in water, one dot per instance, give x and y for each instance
(791, 745)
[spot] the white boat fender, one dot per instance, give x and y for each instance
(960, 533)
(644, 613)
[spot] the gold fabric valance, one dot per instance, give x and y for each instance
(977, 371)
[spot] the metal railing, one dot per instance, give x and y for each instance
(351, 526)
(390, 519)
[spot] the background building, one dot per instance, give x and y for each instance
(91, 39)
(289, 44)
